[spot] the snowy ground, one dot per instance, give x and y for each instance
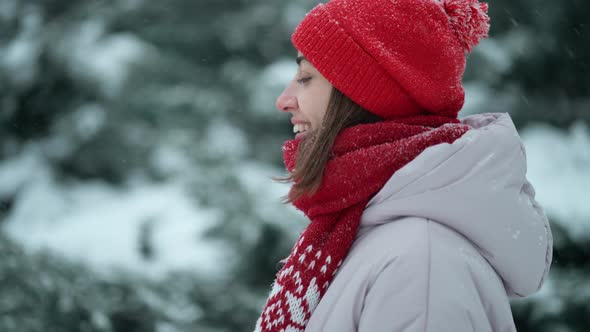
(145, 228)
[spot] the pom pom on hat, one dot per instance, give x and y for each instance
(469, 19)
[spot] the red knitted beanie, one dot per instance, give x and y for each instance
(395, 58)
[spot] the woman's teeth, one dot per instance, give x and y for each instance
(301, 127)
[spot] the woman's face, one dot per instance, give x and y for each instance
(306, 97)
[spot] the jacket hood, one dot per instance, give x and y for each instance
(476, 186)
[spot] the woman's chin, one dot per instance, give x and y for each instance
(300, 135)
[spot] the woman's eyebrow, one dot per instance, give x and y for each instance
(299, 59)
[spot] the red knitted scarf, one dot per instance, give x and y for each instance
(364, 158)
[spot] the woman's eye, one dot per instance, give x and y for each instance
(303, 80)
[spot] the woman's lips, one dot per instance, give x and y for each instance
(300, 135)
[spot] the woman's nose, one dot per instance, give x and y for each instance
(287, 100)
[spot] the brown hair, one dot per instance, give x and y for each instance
(316, 147)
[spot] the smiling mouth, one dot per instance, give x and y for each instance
(301, 128)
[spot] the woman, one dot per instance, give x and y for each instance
(419, 221)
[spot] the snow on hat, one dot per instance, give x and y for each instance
(395, 58)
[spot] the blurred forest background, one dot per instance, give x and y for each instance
(138, 138)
